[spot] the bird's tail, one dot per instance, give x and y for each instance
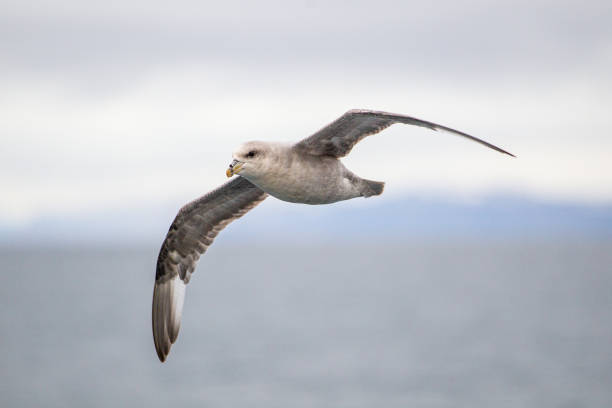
(371, 188)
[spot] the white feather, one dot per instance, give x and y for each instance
(177, 296)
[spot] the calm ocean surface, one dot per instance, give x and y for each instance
(402, 325)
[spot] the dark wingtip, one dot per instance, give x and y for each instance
(492, 146)
(161, 353)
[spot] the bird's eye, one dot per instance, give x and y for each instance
(252, 153)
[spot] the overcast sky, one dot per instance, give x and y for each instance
(107, 104)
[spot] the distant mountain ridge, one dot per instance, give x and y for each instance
(396, 218)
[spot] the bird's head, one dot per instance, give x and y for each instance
(252, 159)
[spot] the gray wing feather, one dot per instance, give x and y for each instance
(192, 232)
(338, 138)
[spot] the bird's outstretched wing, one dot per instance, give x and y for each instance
(190, 235)
(338, 138)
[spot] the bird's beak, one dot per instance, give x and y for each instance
(234, 168)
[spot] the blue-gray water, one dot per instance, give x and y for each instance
(510, 324)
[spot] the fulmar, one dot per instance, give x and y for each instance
(308, 172)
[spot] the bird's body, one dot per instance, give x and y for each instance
(292, 175)
(308, 172)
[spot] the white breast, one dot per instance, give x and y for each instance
(308, 180)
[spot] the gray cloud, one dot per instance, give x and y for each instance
(105, 103)
(465, 39)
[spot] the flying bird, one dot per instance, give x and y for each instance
(308, 172)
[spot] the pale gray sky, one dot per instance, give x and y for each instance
(115, 103)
